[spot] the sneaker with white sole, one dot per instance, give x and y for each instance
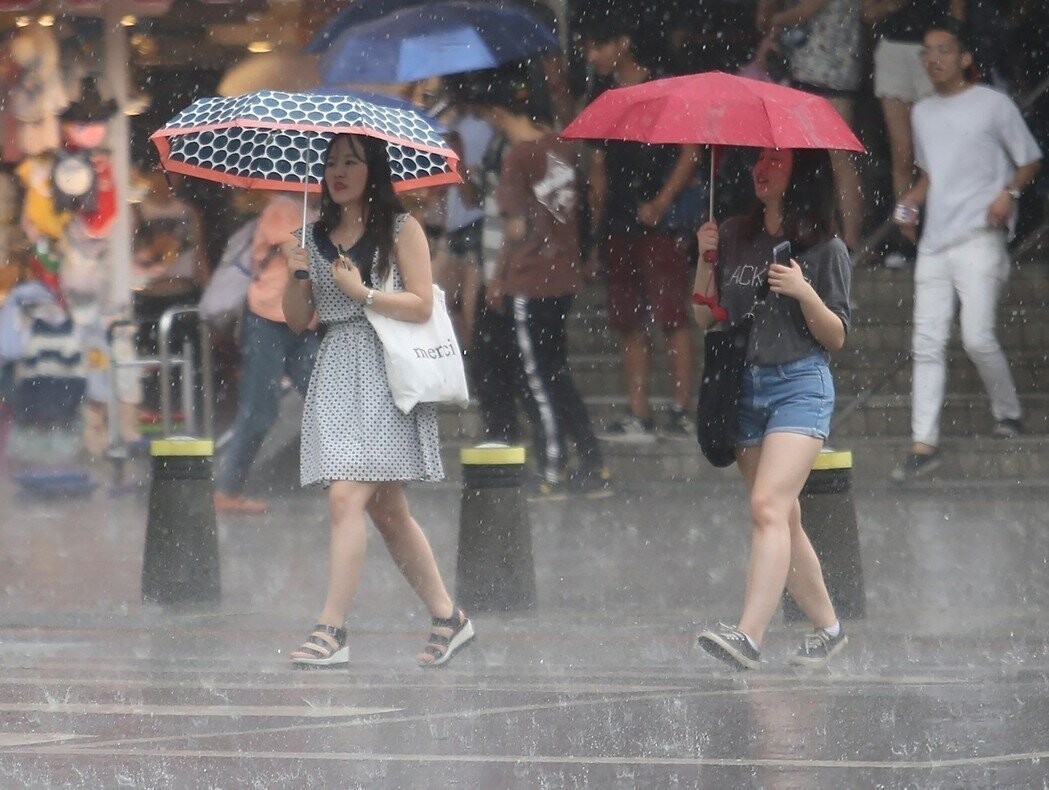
(729, 644)
(818, 648)
(1008, 429)
(679, 425)
(916, 465)
(631, 429)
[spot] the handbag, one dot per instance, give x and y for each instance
(721, 387)
(423, 360)
(717, 414)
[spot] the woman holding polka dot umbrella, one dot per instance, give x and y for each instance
(277, 140)
(355, 441)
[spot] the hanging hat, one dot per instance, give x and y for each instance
(89, 108)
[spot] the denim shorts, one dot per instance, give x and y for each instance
(795, 397)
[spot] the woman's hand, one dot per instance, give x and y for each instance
(348, 277)
(789, 281)
(707, 237)
(298, 259)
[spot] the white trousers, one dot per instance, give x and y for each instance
(970, 273)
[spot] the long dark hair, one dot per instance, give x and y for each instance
(808, 203)
(380, 203)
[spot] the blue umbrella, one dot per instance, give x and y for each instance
(428, 41)
(355, 13)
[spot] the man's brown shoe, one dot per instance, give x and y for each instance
(230, 503)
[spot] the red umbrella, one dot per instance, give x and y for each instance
(714, 108)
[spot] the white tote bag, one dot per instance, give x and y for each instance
(423, 361)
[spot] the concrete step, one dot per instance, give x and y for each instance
(963, 416)
(884, 415)
(881, 326)
(854, 371)
(1024, 460)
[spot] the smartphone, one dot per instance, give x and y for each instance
(781, 253)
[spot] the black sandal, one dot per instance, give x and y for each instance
(325, 647)
(441, 648)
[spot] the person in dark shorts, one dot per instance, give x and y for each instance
(632, 187)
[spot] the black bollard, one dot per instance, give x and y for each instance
(828, 516)
(495, 571)
(181, 559)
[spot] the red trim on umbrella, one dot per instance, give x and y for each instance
(244, 182)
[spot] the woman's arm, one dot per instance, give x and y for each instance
(415, 302)
(825, 325)
(297, 301)
(704, 285)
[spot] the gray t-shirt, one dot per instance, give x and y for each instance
(780, 333)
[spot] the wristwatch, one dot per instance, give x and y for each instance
(369, 300)
(1013, 192)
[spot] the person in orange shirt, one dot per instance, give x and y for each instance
(269, 351)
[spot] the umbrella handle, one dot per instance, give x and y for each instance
(302, 274)
(711, 256)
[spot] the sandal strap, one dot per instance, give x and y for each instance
(455, 621)
(437, 644)
(435, 650)
(331, 630)
(316, 642)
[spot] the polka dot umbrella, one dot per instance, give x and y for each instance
(276, 140)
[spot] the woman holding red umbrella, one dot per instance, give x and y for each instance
(788, 391)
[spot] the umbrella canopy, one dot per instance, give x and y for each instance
(714, 108)
(356, 12)
(432, 40)
(275, 140)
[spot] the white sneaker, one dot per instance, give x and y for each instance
(631, 429)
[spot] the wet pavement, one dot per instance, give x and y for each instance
(945, 682)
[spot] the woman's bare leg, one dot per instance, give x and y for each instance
(805, 579)
(775, 480)
(848, 184)
(409, 547)
(349, 541)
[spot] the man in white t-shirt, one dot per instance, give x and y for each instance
(975, 155)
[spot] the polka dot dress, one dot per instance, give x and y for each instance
(351, 428)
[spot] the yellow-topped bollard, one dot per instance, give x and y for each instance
(495, 571)
(181, 558)
(828, 517)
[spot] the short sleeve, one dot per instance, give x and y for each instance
(834, 280)
(1016, 137)
(513, 192)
